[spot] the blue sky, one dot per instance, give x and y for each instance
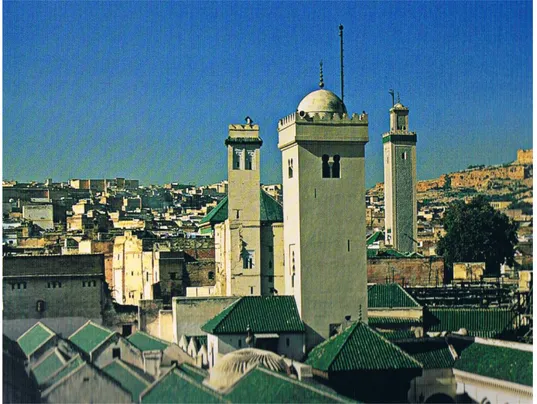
(147, 89)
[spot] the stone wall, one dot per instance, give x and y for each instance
(524, 156)
(199, 273)
(427, 271)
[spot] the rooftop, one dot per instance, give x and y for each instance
(489, 322)
(359, 348)
(34, 338)
(261, 385)
(129, 379)
(511, 365)
(50, 265)
(389, 295)
(47, 366)
(432, 354)
(146, 342)
(260, 313)
(90, 336)
(177, 387)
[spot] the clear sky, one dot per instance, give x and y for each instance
(146, 90)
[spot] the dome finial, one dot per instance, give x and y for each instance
(321, 81)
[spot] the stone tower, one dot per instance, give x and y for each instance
(324, 212)
(244, 240)
(400, 182)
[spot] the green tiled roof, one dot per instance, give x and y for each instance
(398, 334)
(34, 338)
(146, 342)
(90, 336)
(502, 363)
(127, 378)
(375, 237)
(264, 386)
(389, 295)
(271, 210)
(176, 387)
(47, 366)
(261, 313)
(218, 214)
(194, 372)
(73, 364)
(393, 321)
(431, 354)
(478, 322)
(359, 348)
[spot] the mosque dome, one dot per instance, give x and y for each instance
(321, 101)
(233, 365)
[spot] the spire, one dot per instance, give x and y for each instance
(321, 81)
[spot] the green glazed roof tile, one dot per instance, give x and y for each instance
(431, 354)
(146, 342)
(261, 313)
(69, 367)
(261, 385)
(398, 334)
(194, 372)
(127, 378)
(34, 338)
(359, 348)
(176, 387)
(47, 366)
(497, 362)
(389, 295)
(270, 210)
(478, 322)
(376, 236)
(90, 336)
(393, 321)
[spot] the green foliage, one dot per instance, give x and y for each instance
(476, 232)
(470, 167)
(526, 207)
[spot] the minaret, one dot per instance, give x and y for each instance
(400, 182)
(324, 212)
(243, 274)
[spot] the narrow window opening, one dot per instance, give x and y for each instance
(238, 213)
(404, 156)
(326, 166)
(271, 279)
(287, 341)
(270, 264)
(335, 167)
(348, 245)
(211, 275)
(116, 353)
(315, 192)
(293, 280)
(251, 290)
(240, 343)
(290, 168)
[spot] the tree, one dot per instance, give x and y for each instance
(476, 232)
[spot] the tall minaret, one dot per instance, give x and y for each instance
(400, 182)
(324, 212)
(243, 274)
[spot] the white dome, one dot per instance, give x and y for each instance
(320, 101)
(233, 365)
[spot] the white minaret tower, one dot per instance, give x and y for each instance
(400, 182)
(244, 249)
(324, 212)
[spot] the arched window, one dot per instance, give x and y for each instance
(335, 167)
(290, 164)
(326, 166)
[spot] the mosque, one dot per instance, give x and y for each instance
(312, 248)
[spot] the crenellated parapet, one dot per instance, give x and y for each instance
(327, 118)
(248, 127)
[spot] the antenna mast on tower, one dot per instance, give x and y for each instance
(341, 56)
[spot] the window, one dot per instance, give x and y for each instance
(326, 166)
(290, 168)
(248, 259)
(293, 280)
(240, 343)
(173, 276)
(116, 353)
(54, 285)
(287, 341)
(251, 290)
(335, 167)
(271, 279)
(270, 264)
(83, 284)
(126, 330)
(270, 248)
(250, 156)
(211, 275)
(404, 156)
(237, 159)
(40, 306)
